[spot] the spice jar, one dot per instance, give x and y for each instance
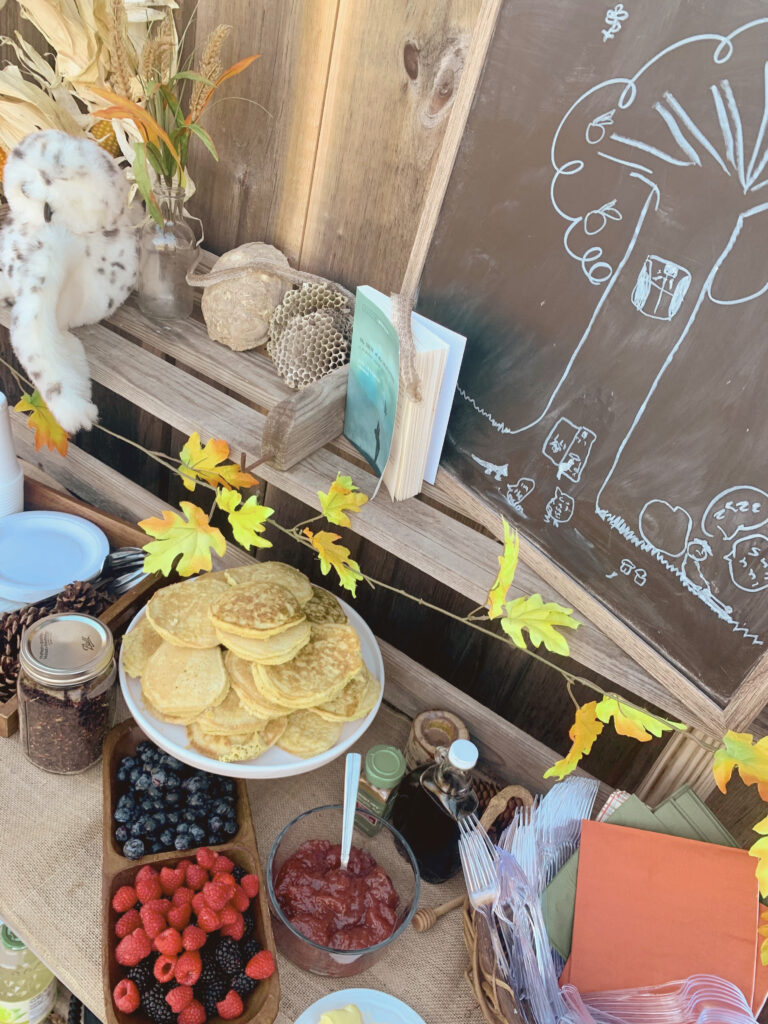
(383, 769)
(66, 691)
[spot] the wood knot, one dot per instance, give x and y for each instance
(450, 65)
(411, 60)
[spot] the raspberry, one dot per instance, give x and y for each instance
(229, 915)
(208, 920)
(240, 900)
(128, 923)
(182, 896)
(250, 884)
(126, 996)
(149, 889)
(162, 906)
(196, 877)
(124, 899)
(153, 921)
(261, 966)
(144, 873)
(168, 942)
(236, 930)
(216, 896)
(198, 902)
(224, 879)
(164, 968)
(193, 937)
(193, 1014)
(178, 917)
(171, 879)
(179, 997)
(231, 1006)
(188, 968)
(132, 948)
(205, 857)
(223, 863)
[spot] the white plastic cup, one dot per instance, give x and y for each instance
(11, 473)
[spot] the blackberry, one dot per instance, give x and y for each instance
(154, 1005)
(248, 923)
(212, 994)
(209, 974)
(228, 956)
(238, 873)
(141, 975)
(250, 948)
(242, 984)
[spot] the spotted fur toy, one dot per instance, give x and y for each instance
(68, 257)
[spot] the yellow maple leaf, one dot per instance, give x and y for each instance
(46, 427)
(763, 930)
(629, 721)
(760, 851)
(204, 463)
(540, 620)
(507, 565)
(333, 555)
(247, 520)
(738, 751)
(342, 497)
(190, 542)
(583, 733)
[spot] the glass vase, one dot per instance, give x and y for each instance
(167, 252)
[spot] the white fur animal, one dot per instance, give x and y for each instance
(68, 257)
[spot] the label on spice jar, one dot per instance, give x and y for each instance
(29, 1011)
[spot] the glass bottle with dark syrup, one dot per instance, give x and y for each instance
(431, 800)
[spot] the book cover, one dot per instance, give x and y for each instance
(374, 373)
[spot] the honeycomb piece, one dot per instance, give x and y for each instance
(301, 301)
(310, 346)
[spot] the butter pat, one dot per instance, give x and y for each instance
(349, 1015)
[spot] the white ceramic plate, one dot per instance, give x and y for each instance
(275, 763)
(41, 552)
(376, 1007)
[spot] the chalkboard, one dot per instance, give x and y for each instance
(603, 243)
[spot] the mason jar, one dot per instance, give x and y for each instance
(66, 691)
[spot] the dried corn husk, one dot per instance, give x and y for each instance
(25, 107)
(75, 29)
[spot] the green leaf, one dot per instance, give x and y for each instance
(173, 103)
(629, 721)
(540, 620)
(204, 137)
(141, 175)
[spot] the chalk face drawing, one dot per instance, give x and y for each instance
(748, 562)
(518, 492)
(737, 510)
(568, 448)
(559, 508)
(660, 289)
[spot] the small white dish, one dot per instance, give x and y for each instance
(42, 552)
(274, 763)
(376, 1007)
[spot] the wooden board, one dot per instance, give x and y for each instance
(617, 429)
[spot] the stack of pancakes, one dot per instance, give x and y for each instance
(249, 658)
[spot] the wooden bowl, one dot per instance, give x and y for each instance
(262, 1004)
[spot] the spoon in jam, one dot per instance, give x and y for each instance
(351, 783)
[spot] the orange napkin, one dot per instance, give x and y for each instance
(652, 908)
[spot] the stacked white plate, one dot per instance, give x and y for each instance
(42, 552)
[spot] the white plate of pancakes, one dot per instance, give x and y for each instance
(251, 672)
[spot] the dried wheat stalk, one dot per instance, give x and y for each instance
(210, 68)
(120, 72)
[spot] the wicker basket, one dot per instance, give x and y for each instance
(494, 997)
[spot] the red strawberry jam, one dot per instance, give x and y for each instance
(348, 910)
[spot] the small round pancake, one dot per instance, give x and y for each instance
(139, 645)
(230, 717)
(273, 572)
(181, 613)
(357, 698)
(239, 746)
(317, 673)
(170, 719)
(275, 650)
(258, 610)
(178, 680)
(241, 678)
(307, 734)
(323, 607)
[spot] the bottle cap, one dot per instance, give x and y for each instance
(384, 766)
(10, 939)
(463, 754)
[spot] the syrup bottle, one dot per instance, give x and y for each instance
(431, 800)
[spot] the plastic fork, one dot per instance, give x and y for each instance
(482, 883)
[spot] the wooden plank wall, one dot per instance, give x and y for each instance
(328, 155)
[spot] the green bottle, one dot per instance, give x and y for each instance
(27, 987)
(383, 769)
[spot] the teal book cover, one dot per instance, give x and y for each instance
(374, 371)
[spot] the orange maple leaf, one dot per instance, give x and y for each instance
(41, 420)
(189, 541)
(583, 733)
(333, 555)
(204, 463)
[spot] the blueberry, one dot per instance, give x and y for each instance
(150, 825)
(137, 828)
(127, 763)
(172, 781)
(143, 781)
(230, 827)
(122, 774)
(159, 778)
(221, 807)
(144, 746)
(197, 834)
(215, 824)
(133, 775)
(173, 817)
(182, 828)
(196, 783)
(172, 763)
(215, 838)
(166, 838)
(172, 798)
(122, 834)
(134, 849)
(183, 842)
(227, 786)
(197, 800)
(146, 806)
(189, 816)
(123, 814)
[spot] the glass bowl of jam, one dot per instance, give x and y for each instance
(334, 922)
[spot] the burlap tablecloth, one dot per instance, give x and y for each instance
(50, 885)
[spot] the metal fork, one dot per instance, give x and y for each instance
(482, 883)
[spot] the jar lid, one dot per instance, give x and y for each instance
(10, 939)
(66, 650)
(384, 766)
(463, 754)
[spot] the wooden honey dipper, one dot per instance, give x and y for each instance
(428, 917)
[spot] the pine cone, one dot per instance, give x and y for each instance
(12, 625)
(81, 597)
